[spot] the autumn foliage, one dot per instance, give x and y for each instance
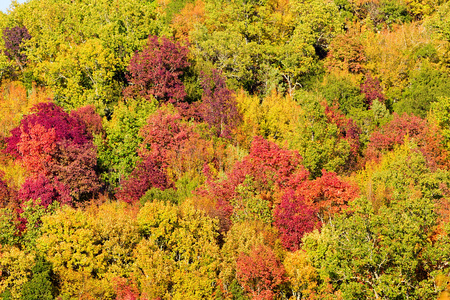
(219, 107)
(146, 175)
(126, 290)
(271, 169)
(260, 272)
(14, 39)
(7, 194)
(347, 54)
(202, 149)
(294, 218)
(348, 129)
(49, 117)
(58, 152)
(163, 135)
(422, 132)
(46, 191)
(372, 90)
(328, 195)
(157, 70)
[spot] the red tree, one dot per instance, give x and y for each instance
(91, 120)
(372, 90)
(14, 38)
(76, 167)
(36, 147)
(218, 106)
(164, 132)
(260, 272)
(47, 191)
(425, 135)
(328, 194)
(125, 291)
(348, 130)
(271, 167)
(52, 144)
(164, 135)
(146, 175)
(272, 170)
(293, 218)
(50, 117)
(156, 71)
(394, 132)
(308, 205)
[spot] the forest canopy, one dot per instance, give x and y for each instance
(209, 149)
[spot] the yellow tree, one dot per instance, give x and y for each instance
(303, 277)
(15, 265)
(189, 17)
(275, 117)
(15, 102)
(178, 256)
(81, 48)
(89, 248)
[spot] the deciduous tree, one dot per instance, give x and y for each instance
(14, 39)
(369, 255)
(50, 117)
(328, 195)
(147, 174)
(293, 217)
(325, 138)
(16, 267)
(43, 189)
(260, 272)
(372, 90)
(218, 106)
(117, 152)
(156, 71)
(55, 146)
(183, 256)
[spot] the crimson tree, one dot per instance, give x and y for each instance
(57, 149)
(218, 106)
(156, 71)
(14, 38)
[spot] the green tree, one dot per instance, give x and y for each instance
(32, 214)
(8, 227)
(40, 287)
(249, 205)
(117, 152)
(319, 138)
(24, 228)
(439, 22)
(342, 91)
(370, 255)
(440, 114)
(266, 45)
(427, 84)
